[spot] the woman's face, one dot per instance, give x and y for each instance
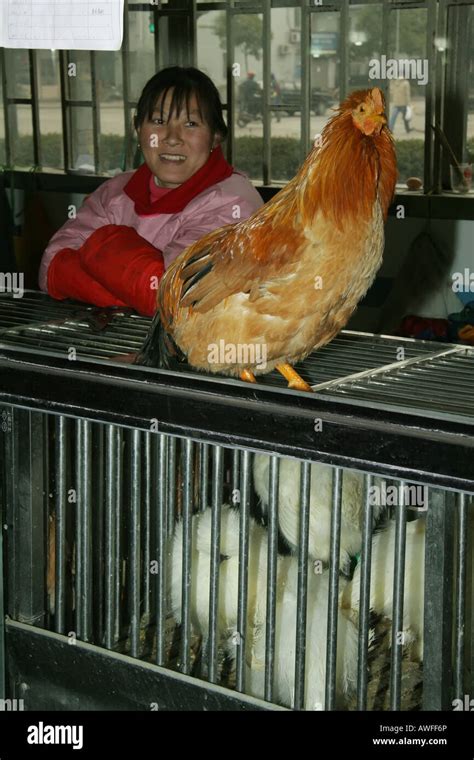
(175, 149)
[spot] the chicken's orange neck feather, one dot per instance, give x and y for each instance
(343, 177)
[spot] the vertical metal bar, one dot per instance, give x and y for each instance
(95, 113)
(333, 601)
(117, 527)
(230, 81)
(398, 600)
(385, 46)
(193, 30)
(217, 488)
(161, 529)
(172, 485)
(272, 567)
(460, 596)
(438, 612)
(243, 569)
(2, 612)
(35, 108)
(302, 593)
(97, 527)
(83, 529)
(6, 112)
(146, 537)
(344, 24)
(135, 532)
(64, 87)
(364, 613)
(187, 450)
(203, 475)
(62, 432)
(235, 500)
(113, 491)
(305, 46)
(440, 57)
(432, 11)
(266, 95)
(25, 513)
(126, 92)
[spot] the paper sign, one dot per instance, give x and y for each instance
(62, 24)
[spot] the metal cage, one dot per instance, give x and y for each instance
(179, 541)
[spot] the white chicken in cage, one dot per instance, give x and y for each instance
(315, 644)
(320, 501)
(286, 609)
(228, 572)
(381, 582)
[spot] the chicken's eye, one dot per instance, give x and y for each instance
(362, 109)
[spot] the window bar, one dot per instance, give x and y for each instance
(217, 486)
(461, 596)
(147, 467)
(35, 108)
(95, 113)
(440, 57)
(305, 46)
(83, 528)
(193, 22)
(113, 495)
(161, 529)
(135, 439)
(187, 452)
(156, 33)
(61, 459)
(344, 25)
(266, 95)
(428, 184)
(230, 49)
(6, 111)
(128, 131)
(243, 569)
(333, 601)
(272, 567)
(64, 85)
(364, 615)
(302, 593)
(385, 46)
(398, 600)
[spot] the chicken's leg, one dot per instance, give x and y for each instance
(247, 376)
(294, 380)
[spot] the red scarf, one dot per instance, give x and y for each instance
(137, 188)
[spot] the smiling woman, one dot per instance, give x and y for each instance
(115, 251)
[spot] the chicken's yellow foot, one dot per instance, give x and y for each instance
(247, 376)
(294, 380)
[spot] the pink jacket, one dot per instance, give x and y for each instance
(223, 203)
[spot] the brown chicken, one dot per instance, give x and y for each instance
(265, 292)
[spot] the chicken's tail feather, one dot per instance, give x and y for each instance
(159, 349)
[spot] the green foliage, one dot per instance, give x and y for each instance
(286, 157)
(248, 155)
(247, 31)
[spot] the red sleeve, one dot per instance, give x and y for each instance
(125, 264)
(67, 279)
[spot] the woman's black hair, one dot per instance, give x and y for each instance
(184, 82)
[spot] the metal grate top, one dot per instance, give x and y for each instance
(368, 370)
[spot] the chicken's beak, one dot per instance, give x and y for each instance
(379, 118)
